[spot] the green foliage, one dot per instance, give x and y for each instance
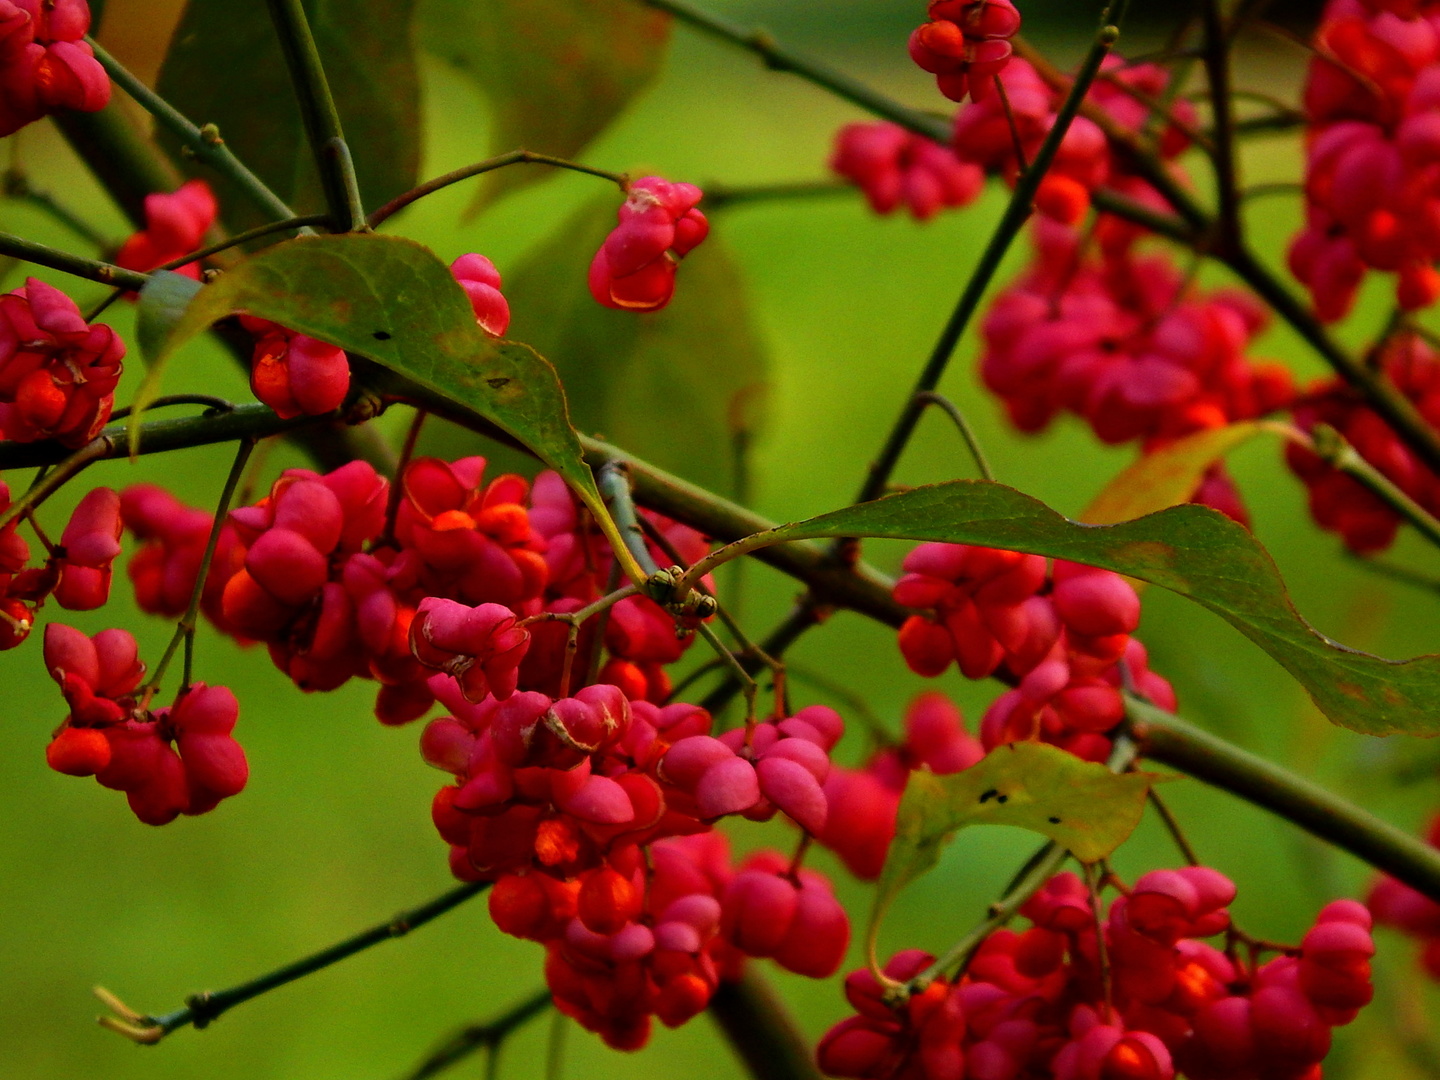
(556, 72)
(392, 301)
(162, 304)
(1081, 805)
(225, 67)
(1167, 477)
(1190, 550)
(677, 387)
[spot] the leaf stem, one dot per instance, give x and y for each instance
(322, 119)
(950, 409)
(203, 1009)
(204, 143)
(1172, 741)
(76, 265)
(512, 157)
(483, 1036)
(1016, 214)
(1335, 450)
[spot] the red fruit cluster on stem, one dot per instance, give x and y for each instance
(1060, 635)
(57, 373)
(634, 270)
(175, 225)
(862, 803)
(965, 45)
(295, 374)
(76, 572)
(605, 855)
(1086, 160)
(895, 167)
(171, 761)
(45, 64)
(1034, 1002)
(1372, 103)
(1339, 502)
(1410, 911)
(1127, 344)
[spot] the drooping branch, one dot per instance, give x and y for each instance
(1172, 741)
(202, 1009)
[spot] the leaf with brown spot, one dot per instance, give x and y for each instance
(1190, 550)
(1080, 805)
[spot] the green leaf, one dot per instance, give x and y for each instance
(677, 387)
(163, 302)
(1169, 476)
(393, 301)
(556, 72)
(1081, 805)
(1190, 550)
(225, 67)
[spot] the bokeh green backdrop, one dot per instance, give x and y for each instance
(334, 834)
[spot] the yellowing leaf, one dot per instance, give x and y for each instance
(1168, 477)
(1082, 806)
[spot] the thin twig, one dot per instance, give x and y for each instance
(512, 157)
(76, 265)
(1172, 826)
(203, 1009)
(17, 186)
(473, 1038)
(185, 627)
(950, 409)
(1016, 214)
(205, 143)
(322, 119)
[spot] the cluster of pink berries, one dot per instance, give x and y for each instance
(592, 814)
(893, 166)
(45, 64)
(965, 45)
(171, 761)
(76, 572)
(1125, 343)
(1411, 911)
(1372, 103)
(1037, 1002)
(862, 803)
(1059, 635)
(175, 225)
(57, 372)
(634, 270)
(1339, 502)
(336, 591)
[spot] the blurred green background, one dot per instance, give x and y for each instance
(333, 833)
